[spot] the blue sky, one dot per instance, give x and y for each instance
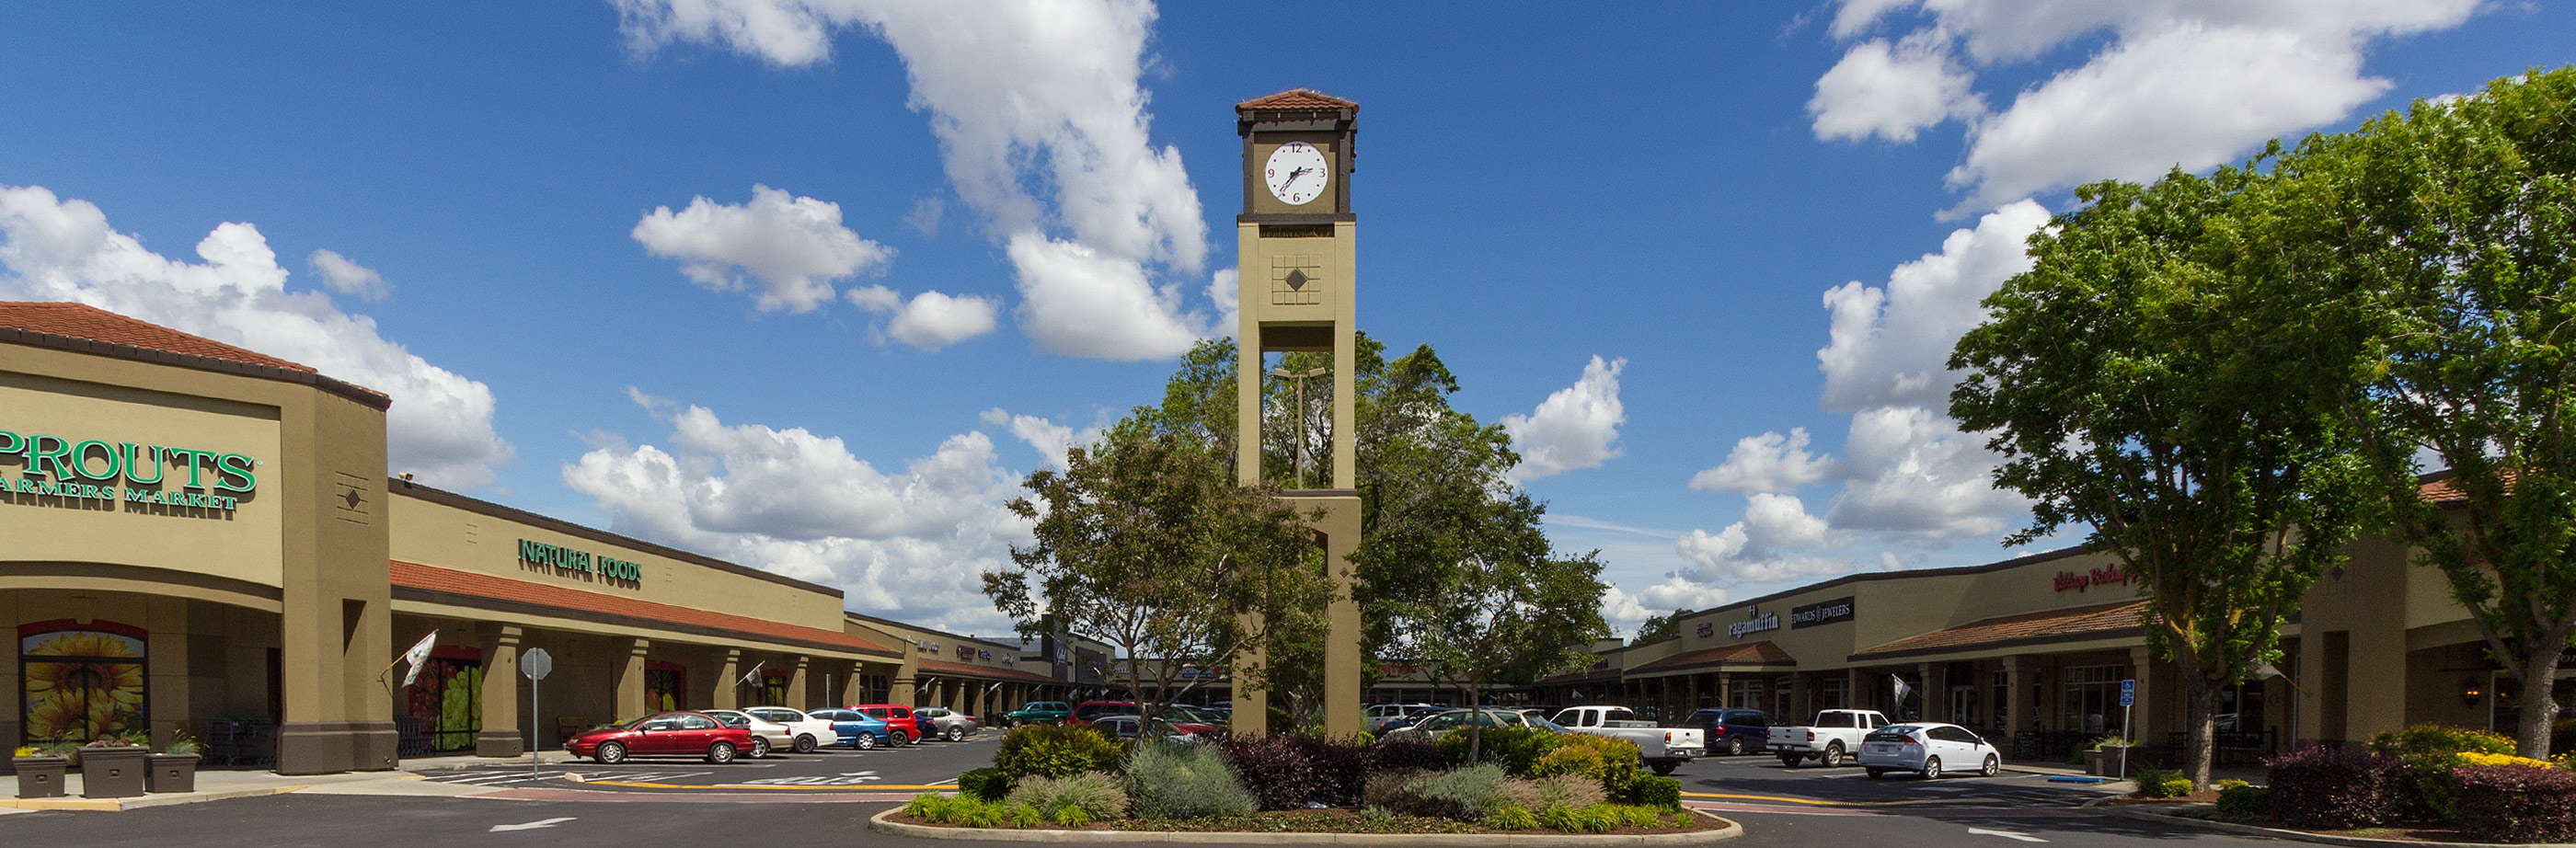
(811, 284)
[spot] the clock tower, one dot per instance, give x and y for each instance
(1294, 262)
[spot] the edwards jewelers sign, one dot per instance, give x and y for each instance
(46, 465)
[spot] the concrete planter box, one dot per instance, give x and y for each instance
(40, 777)
(2104, 762)
(171, 773)
(112, 772)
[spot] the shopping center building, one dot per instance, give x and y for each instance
(196, 537)
(2034, 652)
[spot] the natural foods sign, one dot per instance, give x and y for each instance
(561, 559)
(137, 474)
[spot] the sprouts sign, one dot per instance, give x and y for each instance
(44, 465)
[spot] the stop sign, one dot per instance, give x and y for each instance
(536, 663)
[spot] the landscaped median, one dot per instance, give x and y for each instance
(1530, 788)
(2425, 785)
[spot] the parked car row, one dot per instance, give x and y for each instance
(756, 732)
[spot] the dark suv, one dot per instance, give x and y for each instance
(1732, 731)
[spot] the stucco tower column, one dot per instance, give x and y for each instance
(2019, 712)
(796, 682)
(728, 688)
(501, 735)
(2140, 717)
(630, 683)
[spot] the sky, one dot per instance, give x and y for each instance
(812, 285)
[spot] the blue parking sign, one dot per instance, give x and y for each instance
(2128, 692)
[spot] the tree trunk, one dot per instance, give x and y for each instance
(2539, 706)
(1475, 728)
(2201, 694)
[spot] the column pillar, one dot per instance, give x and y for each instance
(796, 682)
(2139, 717)
(728, 689)
(1929, 692)
(501, 735)
(1726, 690)
(630, 684)
(2018, 710)
(848, 693)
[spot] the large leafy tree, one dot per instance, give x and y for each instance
(2449, 233)
(2145, 380)
(1146, 543)
(1434, 499)
(1662, 626)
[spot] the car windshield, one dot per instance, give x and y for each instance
(1544, 724)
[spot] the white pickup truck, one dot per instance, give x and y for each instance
(1663, 748)
(1834, 737)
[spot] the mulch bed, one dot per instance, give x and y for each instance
(1336, 820)
(2415, 831)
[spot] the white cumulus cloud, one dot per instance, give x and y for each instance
(789, 248)
(440, 426)
(1891, 346)
(1912, 472)
(1768, 463)
(347, 277)
(1052, 440)
(1769, 545)
(2151, 85)
(1043, 129)
(930, 320)
(1576, 427)
(804, 505)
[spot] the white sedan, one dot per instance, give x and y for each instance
(806, 732)
(1928, 748)
(765, 734)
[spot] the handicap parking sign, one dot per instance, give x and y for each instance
(2128, 692)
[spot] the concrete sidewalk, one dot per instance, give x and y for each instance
(220, 784)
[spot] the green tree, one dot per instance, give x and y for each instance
(1662, 626)
(1146, 544)
(2449, 234)
(2146, 379)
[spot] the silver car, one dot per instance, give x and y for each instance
(1929, 748)
(944, 723)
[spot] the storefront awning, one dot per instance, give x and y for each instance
(1750, 656)
(2075, 624)
(431, 584)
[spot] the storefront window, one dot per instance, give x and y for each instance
(79, 682)
(663, 685)
(2093, 697)
(773, 688)
(1832, 696)
(448, 699)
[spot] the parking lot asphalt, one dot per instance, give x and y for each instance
(907, 770)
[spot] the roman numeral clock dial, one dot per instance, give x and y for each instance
(1296, 173)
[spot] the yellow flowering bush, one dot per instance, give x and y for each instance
(2475, 758)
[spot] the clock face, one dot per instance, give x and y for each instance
(1296, 173)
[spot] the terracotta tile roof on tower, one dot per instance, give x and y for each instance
(984, 671)
(434, 584)
(1296, 98)
(1751, 653)
(90, 323)
(2097, 621)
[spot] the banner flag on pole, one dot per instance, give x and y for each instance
(1901, 688)
(418, 655)
(752, 677)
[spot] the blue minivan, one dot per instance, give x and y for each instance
(1732, 731)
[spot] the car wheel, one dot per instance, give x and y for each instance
(900, 739)
(1789, 760)
(1993, 766)
(610, 753)
(956, 734)
(760, 747)
(1663, 768)
(863, 741)
(1877, 773)
(720, 753)
(1932, 768)
(805, 743)
(1833, 755)
(1735, 747)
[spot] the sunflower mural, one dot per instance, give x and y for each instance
(80, 685)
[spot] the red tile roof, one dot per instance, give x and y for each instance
(983, 671)
(1296, 98)
(83, 321)
(1749, 653)
(444, 584)
(2099, 621)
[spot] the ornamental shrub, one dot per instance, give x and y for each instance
(2428, 752)
(2517, 803)
(2329, 788)
(989, 784)
(1174, 780)
(1568, 790)
(1073, 817)
(2472, 758)
(1404, 754)
(2161, 783)
(1513, 748)
(1575, 760)
(2243, 803)
(1385, 791)
(1661, 793)
(1275, 767)
(2441, 739)
(1466, 794)
(1100, 795)
(1512, 817)
(1048, 750)
(1341, 767)
(1024, 816)
(1621, 762)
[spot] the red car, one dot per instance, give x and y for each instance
(1090, 711)
(662, 734)
(901, 728)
